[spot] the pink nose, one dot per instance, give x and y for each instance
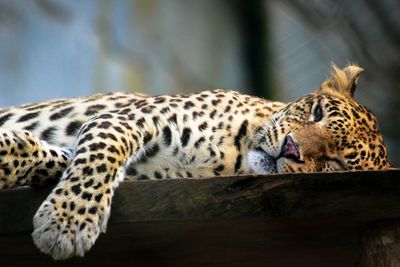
(290, 149)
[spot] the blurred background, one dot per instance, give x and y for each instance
(275, 49)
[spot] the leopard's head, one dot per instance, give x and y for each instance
(326, 130)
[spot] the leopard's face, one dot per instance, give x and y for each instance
(323, 131)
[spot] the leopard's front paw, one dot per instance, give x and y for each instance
(66, 227)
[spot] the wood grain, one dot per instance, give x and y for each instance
(316, 219)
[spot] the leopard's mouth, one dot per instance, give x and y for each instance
(261, 162)
(290, 150)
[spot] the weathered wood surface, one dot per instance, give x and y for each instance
(277, 220)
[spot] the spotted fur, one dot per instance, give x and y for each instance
(91, 144)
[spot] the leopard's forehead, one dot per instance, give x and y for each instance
(335, 107)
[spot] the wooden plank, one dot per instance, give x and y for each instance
(374, 194)
(214, 242)
(304, 219)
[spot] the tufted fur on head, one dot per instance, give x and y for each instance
(342, 81)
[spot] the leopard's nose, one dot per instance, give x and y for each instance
(290, 149)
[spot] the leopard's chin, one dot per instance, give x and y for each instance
(261, 162)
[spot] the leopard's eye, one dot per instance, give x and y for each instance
(318, 114)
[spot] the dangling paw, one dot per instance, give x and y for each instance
(66, 226)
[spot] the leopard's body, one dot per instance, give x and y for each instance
(93, 143)
(196, 135)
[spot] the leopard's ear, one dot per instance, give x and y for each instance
(342, 81)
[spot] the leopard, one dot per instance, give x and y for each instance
(87, 146)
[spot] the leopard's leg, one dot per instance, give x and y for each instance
(69, 221)
(26, 160)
